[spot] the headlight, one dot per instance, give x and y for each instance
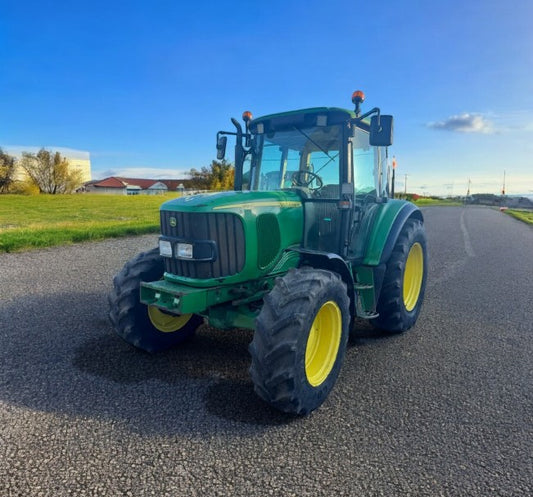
(165, 248)
(184, 251)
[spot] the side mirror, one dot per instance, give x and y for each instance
(381, 131)
(221, 147)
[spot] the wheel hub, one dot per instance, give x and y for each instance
(412, 277)
(165, 322)
(323, 343)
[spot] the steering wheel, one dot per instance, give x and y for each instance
(298, 180)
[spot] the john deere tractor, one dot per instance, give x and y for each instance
(308, 242)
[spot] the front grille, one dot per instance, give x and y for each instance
(225, 230)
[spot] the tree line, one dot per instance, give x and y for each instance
(50, 172)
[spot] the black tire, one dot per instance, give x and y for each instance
(288, 369)
(131, 319)
(404, 284)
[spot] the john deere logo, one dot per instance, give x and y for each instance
(172, 222)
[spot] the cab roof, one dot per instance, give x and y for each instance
(303, 118)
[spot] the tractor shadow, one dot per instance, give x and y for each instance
(60, 355)
(209, 373)
(364, 334)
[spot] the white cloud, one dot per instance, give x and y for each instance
(464, 123)
(71, 153)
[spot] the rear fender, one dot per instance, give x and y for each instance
(386, 230)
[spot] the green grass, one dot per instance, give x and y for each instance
(436, 201)
(526, 216)
(28, 222)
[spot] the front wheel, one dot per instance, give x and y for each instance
(300, 340)
(404, 283)
(146, 327)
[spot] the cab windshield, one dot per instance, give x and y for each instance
(306, 159)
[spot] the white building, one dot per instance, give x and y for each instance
(77, 159)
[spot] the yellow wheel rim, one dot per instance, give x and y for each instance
(412, 276)
(323, 343)
(167, 323)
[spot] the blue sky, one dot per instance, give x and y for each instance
(145, 86)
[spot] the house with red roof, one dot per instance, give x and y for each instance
(136, 186)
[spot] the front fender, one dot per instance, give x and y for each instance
(330, 262)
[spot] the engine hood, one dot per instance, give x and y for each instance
(237, 202)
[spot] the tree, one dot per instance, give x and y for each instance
(7, 171)
(50, 172)
(222, 175)
(200, 180)
(219, 175)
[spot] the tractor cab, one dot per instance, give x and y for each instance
(326, 156)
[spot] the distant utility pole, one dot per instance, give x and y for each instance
(405, 185)
(503, 188)
(467, 191)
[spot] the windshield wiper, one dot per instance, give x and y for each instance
(321, 149)
(313, 142)
(330, 159)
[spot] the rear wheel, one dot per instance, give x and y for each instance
(146, 327)
(404, 283)
(300, 340)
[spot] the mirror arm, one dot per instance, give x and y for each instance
(366, 114)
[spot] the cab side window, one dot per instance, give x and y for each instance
(365, 161)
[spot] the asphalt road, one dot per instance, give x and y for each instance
(444, 409)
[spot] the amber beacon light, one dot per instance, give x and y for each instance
(358, 97)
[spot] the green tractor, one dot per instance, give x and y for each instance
(308, 242)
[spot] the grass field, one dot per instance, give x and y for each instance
(526, 216)
(28, 222)
(423, 202)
